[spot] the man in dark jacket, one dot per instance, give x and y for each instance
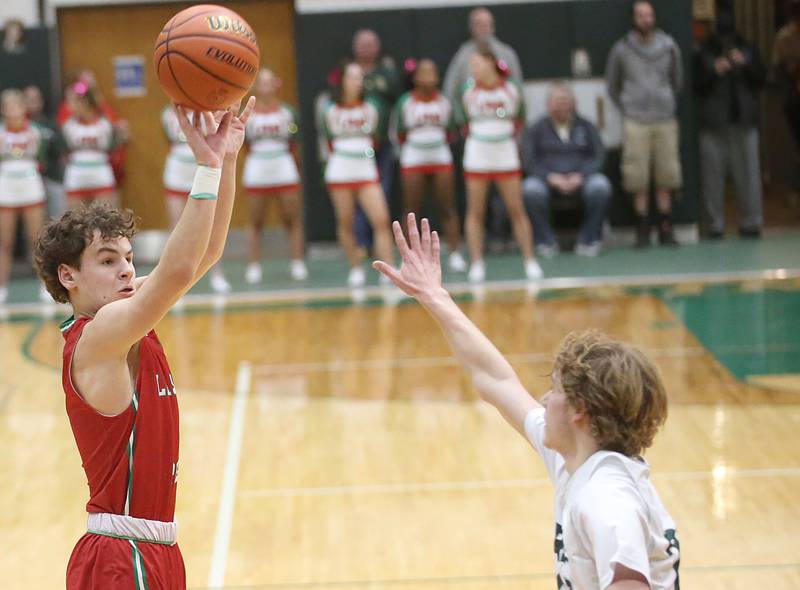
(563, 155)
(728, 76)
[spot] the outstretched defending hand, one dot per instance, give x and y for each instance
(208, 150)
(238, 124)
(420, 272)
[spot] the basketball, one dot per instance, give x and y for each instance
(206, 57)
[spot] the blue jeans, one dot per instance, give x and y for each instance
(596, 194)
(384, 159)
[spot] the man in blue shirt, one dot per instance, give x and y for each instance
(562, 157)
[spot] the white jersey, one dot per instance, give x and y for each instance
(21, 183)
(270, 165)
(492, 115)
(88, 144)
(180, 165)
(351, 132)
(607, 513)
(420, 126)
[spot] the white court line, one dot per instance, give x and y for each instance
(456, 486)
(438, 361)
(227, 500)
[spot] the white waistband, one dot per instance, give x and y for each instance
(133, 529)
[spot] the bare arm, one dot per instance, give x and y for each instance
(420, 276)
(100, 361)
(227, 186)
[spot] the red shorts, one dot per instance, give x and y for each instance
(106, 563)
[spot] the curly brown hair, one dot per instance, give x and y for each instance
(618, 387)
(63, 240)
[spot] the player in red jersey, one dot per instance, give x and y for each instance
(120, 395)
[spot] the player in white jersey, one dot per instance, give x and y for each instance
(492, 109)
(351, 125)
(603, 410)
(421, 125)
(271, 171)
(22, 149)
(89, 138)
(179, 171)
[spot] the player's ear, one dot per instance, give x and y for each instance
(67, 278)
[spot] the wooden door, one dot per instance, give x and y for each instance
(92, 36)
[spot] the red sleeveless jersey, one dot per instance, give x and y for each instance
(130, 460)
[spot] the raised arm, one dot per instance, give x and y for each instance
(120, 324)
(227, 185)
(420, 276)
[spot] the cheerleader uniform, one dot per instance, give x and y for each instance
(493, 116)
(351, 131)
(21, 184)
(180, 165)
(420, 125)
(270, 166)
(88, 171)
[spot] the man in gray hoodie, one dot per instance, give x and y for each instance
(481, 28)
(644, 76)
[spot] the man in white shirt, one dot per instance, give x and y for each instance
(603, 410)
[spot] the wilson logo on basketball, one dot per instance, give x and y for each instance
(231, 59)
(228, 25)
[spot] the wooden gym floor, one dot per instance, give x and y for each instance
(332, 445)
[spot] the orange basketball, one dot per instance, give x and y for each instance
(206, 57)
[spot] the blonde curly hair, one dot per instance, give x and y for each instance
(617, 386)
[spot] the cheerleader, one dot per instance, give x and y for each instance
(89, 138)
(178, 177)
(421, 124)
(22, 149)
(351, 126)
(271, 171)
(493, 110)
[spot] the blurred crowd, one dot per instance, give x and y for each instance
(386, 127)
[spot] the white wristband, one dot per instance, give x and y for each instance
(206, 183)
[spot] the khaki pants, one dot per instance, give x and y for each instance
(650, 148)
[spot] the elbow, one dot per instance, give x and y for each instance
(181, 276)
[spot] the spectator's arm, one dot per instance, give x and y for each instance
(397, 132)
(532, 152)
(614, 76)
(394, 85)
(755, 70)
(594, 164)
(703, 72)
(514, 65)
(451, 87)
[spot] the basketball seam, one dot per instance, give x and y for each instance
(198, 66)
(171, 71)
(204, 36)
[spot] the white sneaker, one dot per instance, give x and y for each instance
(547, 250)
(456, 262)
(44, 295)
(219, 284)
(357, 277)
(3, 294)
(477, 272)
(532, 270)
(591, 250)
(253, 274)
(298, 270)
